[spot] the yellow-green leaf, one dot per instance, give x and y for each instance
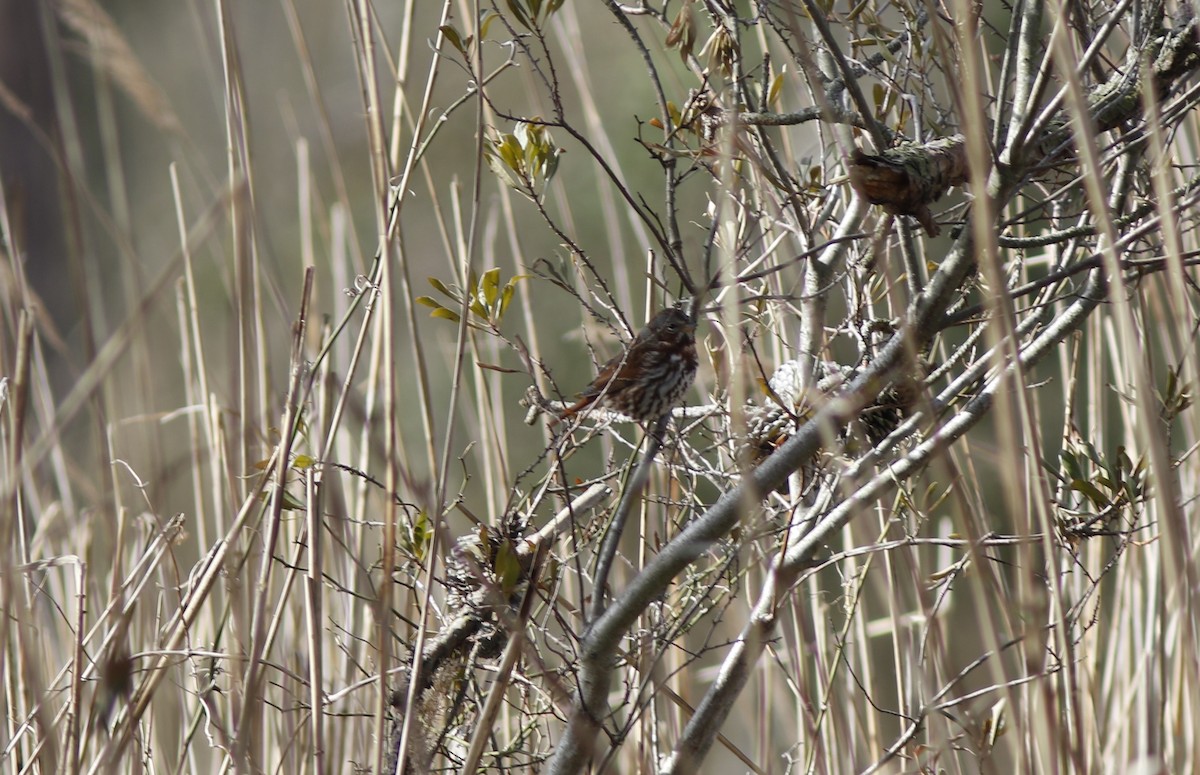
(441, 288)
(509, 151)
(452, 37)
(673, 112)
(417, 536)
(505, 297)
(485, 20)
(489, 287)
(776, 87)
(508, 567)
(1092, 493)
(503, 170)
(290, 503)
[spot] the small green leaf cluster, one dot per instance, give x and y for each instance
(525, 159)
(485, 299)
(532, 14)
(1107, 483)
(499, 555)
(1176, 397)
(415, 535)
(466, 43)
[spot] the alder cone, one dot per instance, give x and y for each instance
(653, 373)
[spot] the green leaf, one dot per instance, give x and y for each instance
(532, 155)
(442, 312)
(1070, 462)
(439, 286)
(509, 151)
(519, 13)
(507, 294)
(505, 297)
(1133, 490)
(674, 114)
(485, 21)
(1091, 492)
(473, 294)
(508, 567)
(291, 503)
(303, 462)
(776, 87)
(452, 37)
(1123, 457)
(428, 302)
(503, 170)
(418, 536)
(489, 287)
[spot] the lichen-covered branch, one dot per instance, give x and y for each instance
(906, 179)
